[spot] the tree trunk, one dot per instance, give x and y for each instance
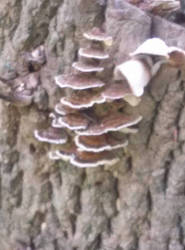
(138, 204)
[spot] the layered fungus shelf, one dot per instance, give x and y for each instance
(90, 124)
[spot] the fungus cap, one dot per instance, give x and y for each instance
(116, 91)
(99, 143)
(84, 159)
(74, 121)
(78, 82)
(82, 100)
(87, 67)
(51, 135)
(120, 90)
(93, 53)
(97, 35)
(113, 122)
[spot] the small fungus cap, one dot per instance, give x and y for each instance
(99, 143)
(93, 53)
(78, 82)
(97, 35)
(116, 91)
(113, 122)
(86, 67)
(74, 121)
(51, 135)
(84, 159)
(82, 100)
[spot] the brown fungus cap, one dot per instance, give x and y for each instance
(93, 53)
(84, 159)
(83, 99)
(74, 121)
(116, 91)
(87, 67)
(51, 135)
(114, 122)
(120, 90)
(97, 35)
(99, 143)
(78, 82)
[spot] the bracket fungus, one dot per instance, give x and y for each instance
(51, 135)
(95, 126)
(113, 122)
(146, 61)
(82, 100)
(92, 134)
(78, 82)
(74, 121)
(99, 143)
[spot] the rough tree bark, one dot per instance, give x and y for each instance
(136, 204)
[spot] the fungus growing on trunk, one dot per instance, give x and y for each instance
(78, 82)
(83, 159)
(52, 135)
(113, 122)
(82, 99)
(74, 121)
(87, 67)
(93, 53)
(90, 110)
(99, 143)
(146, 61)
(97, 35)
(121, 90)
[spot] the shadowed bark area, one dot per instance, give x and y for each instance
(138, 204)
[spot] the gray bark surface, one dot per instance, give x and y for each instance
(138, 204)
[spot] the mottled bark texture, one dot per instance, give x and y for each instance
(138, 204)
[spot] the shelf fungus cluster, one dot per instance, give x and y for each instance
(22, 87)
(90, 124)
